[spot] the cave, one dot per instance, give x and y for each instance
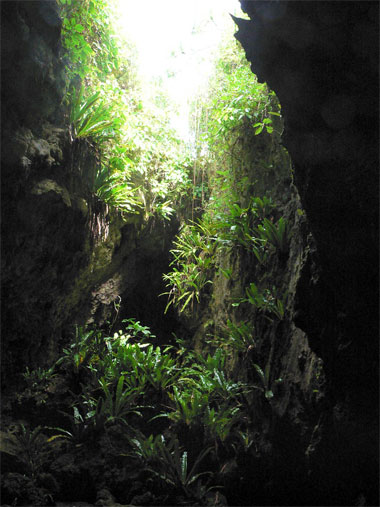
(310, 432)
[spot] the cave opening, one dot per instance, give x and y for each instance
(184, 308)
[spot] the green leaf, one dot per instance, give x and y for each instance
(268, 394)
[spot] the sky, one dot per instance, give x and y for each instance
(176, 40)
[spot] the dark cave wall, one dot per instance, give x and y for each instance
(32, 88)
(321, 59)
(30, 64)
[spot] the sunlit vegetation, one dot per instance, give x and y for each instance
(232, 216)
(143, 167)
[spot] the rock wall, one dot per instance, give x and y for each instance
(276, 470)
(321, 59)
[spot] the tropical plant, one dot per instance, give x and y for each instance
(79, 428)
(258, 248)
(123, 361)
(77, 355)
(38, 376)
(265, 380)
(88, 39)
(91, 118)
(147, 449)
(142, 166)
(144, 368)
(137, 330)
(265, 123)
(244, 441)
(190, 406)
(220, 422)
(234, 225)
(87, 346)
(235, 96)
(210, 363)
(239, 335)
(193, 259)
(168, 463)
(263, 300)
(116, 406)
(116, 190)
(263, 206)
(219, 387)
(160, 369)
(206, 375)
(28, 447)
(277, 234)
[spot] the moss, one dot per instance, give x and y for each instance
(46, 185)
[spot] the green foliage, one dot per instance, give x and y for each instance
(265, 380)
(142, 166)
(136, 330)
(38, 377)
(236, 98)
(193, 259)
(161, 163)
(263, 206)
(205, 400)
(168, 463)
(265, 123)
(125, 387)
(86, 345)
(239, 335)
(234, 225)
(116, 406)
(277, 234)
(88, 39)
(233, 218)
(80, 426)
(143, 366)
(147, 449)
(116, 190)
(264, 301)
(89, 118)
(220, 422)
(190, 406)
(210, 363)
(227, 273)
(28, 447)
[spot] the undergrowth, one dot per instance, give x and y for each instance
(176, 415)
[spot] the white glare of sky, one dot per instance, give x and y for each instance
(176, 40)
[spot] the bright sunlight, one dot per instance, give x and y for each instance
(177, 44)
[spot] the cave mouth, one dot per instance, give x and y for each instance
(178, 77)
(144, 269)
(268, 395)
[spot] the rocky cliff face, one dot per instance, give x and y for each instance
(321, 60)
